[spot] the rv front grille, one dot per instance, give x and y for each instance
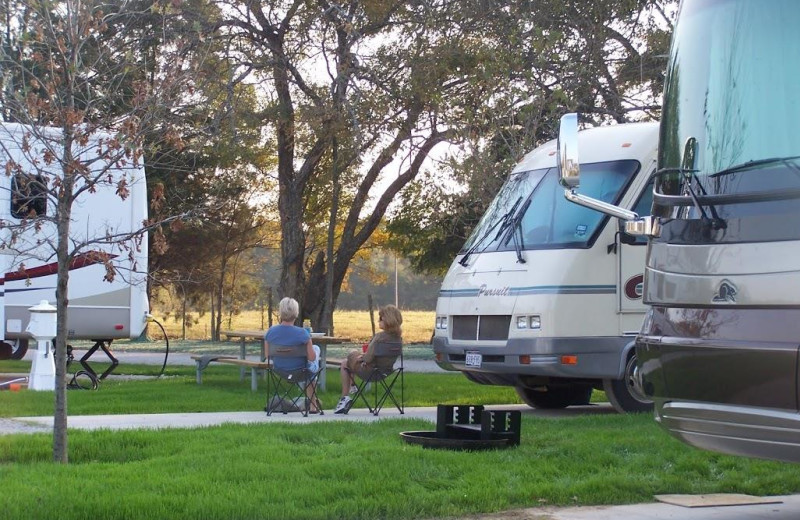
(494, 327)
(487, 327)
(465, 327)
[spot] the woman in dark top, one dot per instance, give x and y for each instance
(389, 321)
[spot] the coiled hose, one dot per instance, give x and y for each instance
(150, 318)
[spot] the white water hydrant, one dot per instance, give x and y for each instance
(42, 327)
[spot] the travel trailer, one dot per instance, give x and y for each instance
(98, 310)
(718, 351)
(545, 296)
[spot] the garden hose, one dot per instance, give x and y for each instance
(150, 318)
(83, 380)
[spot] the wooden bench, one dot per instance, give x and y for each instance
(243, 336)
(254, 366)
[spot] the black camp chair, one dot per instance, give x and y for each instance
(286, 388)
(376, 386)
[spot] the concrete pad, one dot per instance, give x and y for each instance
(785, 507)
(715, 500)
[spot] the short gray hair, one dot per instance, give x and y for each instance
(288, 309)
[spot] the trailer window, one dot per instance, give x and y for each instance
(28, 196)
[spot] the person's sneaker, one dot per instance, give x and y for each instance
(343, 405)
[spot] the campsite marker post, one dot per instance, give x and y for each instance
(43, 329)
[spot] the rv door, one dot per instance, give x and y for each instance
(632, 251)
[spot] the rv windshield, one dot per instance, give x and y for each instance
(547, 219)
(734, 91)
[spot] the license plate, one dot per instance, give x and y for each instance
(474, 359)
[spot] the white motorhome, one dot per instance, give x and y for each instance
(98, 310)
(506, 310)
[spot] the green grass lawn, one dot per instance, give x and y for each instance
(341, 469)
(355, 470)
(222, 390)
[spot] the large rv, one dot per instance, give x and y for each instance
(545, 296)
(718, 352)
(98, 309)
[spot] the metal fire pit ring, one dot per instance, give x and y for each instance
(431, 440)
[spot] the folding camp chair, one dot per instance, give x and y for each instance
(374, 387)
(288, 378)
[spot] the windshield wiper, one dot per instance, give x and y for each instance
(716, 221)
(514, 228)
(689, 175)
(755, 164)
(503, 222)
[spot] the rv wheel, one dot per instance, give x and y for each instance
(18, 348)
(551, 397)
(622, 393)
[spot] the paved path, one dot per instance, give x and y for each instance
(197, 420)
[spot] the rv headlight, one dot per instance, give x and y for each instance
(529, 322)
(441, 322)
(535, 322)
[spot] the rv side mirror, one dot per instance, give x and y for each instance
(569, 169)
(626, 238)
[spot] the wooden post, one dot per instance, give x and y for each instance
(269, 305)
(371, 313)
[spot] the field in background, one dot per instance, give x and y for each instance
(417, 325)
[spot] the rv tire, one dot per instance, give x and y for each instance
(19, 348)
(553, 397)
(622, 393)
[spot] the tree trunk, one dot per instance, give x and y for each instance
(63, 216)
(293, 245)
(327, 312)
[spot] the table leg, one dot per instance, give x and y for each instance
(323, 350)
(243, 350)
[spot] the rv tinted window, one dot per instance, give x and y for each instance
(28, 196)
(551, 221)
(730, 88)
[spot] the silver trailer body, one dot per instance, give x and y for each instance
(98, 309)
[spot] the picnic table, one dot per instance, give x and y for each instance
(258, 335)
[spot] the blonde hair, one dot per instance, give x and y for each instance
(392, 319)
(288, 309)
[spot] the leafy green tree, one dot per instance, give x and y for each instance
(604, 59)
(358, 96)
